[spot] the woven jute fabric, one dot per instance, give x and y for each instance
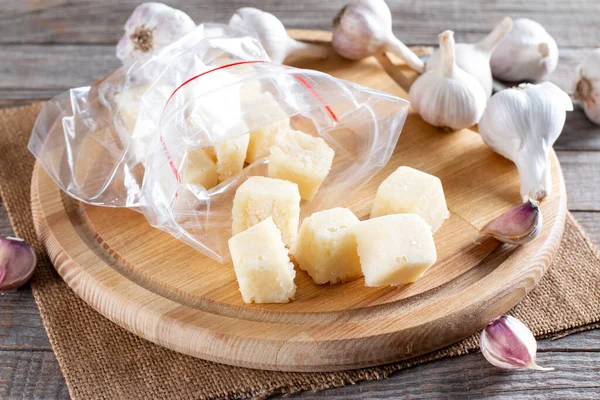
(100, 360)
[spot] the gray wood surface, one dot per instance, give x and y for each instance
(49, 46)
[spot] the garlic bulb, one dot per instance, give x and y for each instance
(527, 53)
(364, 27)
(587, 90)
(150, 28)
(447, 96)
(17, 263)
(273, 36)
(522, 124)
(475, 58)
(519, 225)
(507, 343)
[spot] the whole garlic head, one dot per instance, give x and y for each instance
(474, 58)
(150, 28)
(447, 96)
(522, 124)
(364, 27)
(527, 53)
(587, 90)
(273, 36)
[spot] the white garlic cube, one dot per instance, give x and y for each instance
(230, 156)
(260, 198)
(410, 191)
(201, 169)
(326, 247)
(394, 249)
(301, 158)
(271, 118)
(262, 266)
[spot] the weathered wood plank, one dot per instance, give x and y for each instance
(582, 177)
(31, 375)
(87, 21)
(575, 376)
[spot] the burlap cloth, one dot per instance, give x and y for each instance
(100, 360)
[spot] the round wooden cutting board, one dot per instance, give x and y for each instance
(161, 289)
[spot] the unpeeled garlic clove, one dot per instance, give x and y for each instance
(363, 28)
(519, 225)
(474, 58)
(527, 53)
(507, 343)
(17, 262)
(447, 96)
(587, 89)
(150, 28)
(522, 124)
(273, 36)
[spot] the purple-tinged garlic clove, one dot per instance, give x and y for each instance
(519, 225)
(17, 263)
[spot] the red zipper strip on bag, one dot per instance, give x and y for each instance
(297, 76)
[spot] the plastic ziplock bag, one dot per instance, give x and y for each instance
(145, 137)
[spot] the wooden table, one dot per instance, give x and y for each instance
(49, 46)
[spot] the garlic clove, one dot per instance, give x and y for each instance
(150, 28)
(522, 124)
(447, 96)
(587, 88)
(519, 225)
(527, 53)
(273, 36)
(363, 28)
(475, 58)
(507, 343)
(17, 263)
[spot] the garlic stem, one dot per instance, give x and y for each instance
(395, 46)
(447, 53)
(489, 43)
(534, 172)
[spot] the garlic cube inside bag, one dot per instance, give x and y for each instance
(326, 246)
(394, 249)
(201, 169)
(302, 159)
(262, 266)
(410, 191)
(260, 198)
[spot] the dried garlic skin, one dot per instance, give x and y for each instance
(522, 124)
(587, 87)
(527, 53)
(150, 28)
(508, 344)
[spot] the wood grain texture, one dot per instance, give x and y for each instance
(88, 21)
(138, 276)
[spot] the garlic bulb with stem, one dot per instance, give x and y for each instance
(508, 344)
(519, 225)
(522, 124)
(150, 28)
(363, 28)
(587, 89)
(273, 36)
(17, 263)
(474, 58)
(447, 96)
(527, 53)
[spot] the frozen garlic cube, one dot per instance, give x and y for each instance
(410, 191)
(271, 119)
(394, 249)
(300, 158)
(262, 266)
(230, 156)
(201, 169)
(326, 247)
(260, 198)
(128, 102)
